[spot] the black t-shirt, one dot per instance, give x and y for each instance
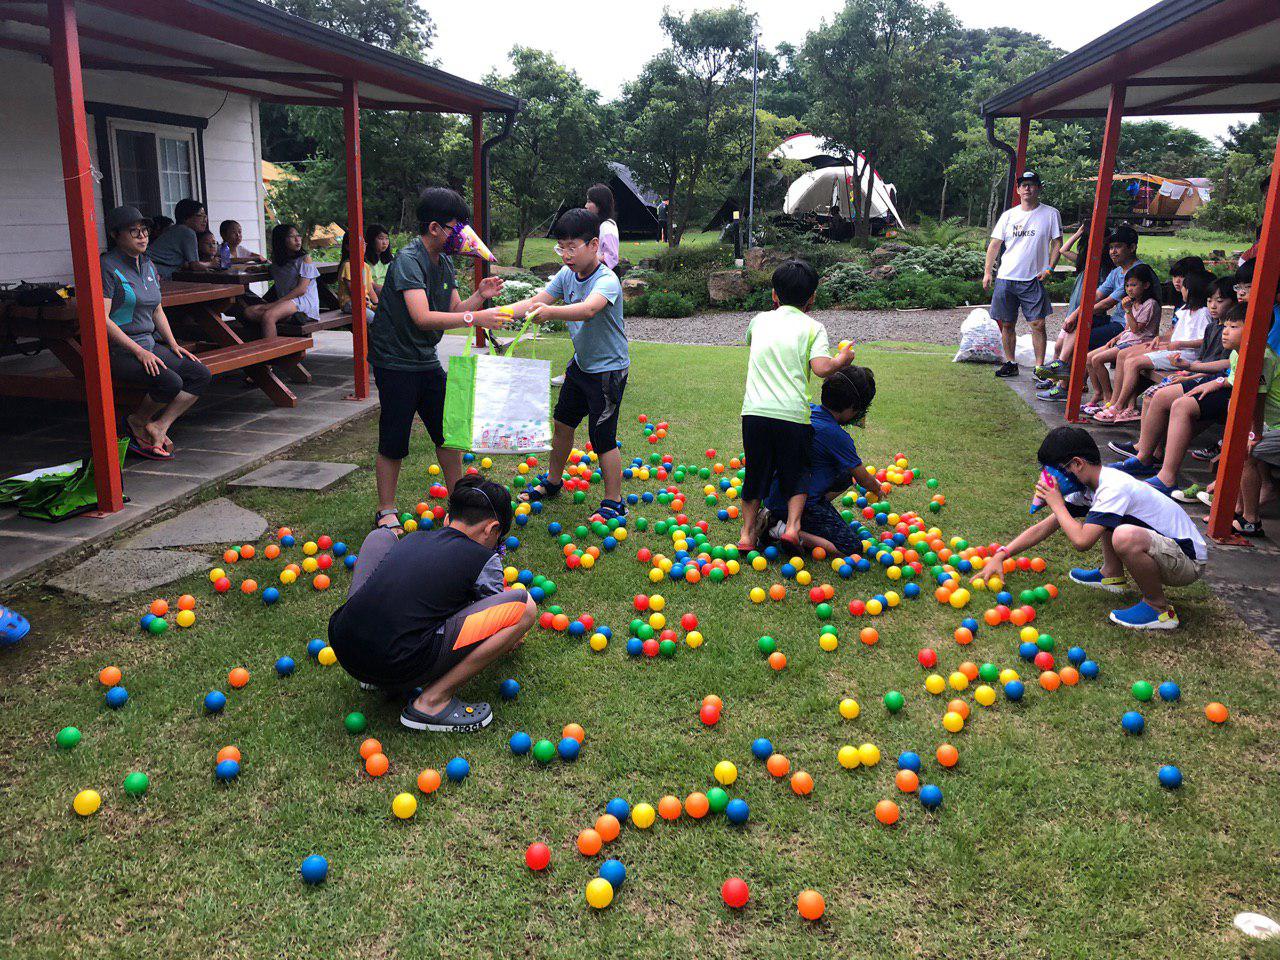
(387, 630)
(1211, 347)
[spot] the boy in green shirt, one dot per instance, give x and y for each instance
(786, 344)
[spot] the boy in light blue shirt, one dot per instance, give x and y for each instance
(591, 306)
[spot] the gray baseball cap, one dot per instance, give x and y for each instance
(122, 217)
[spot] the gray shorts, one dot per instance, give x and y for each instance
(1008, 295)
(1176, 568)
(1267, 449)
(1162, 360)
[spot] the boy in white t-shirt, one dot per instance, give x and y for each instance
(1030, 236)
(1143, 533)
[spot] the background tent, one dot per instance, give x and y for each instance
(830, 191)
(635, 205)
(1151, 195)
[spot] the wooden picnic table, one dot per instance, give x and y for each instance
(191, 307)
(247, 273)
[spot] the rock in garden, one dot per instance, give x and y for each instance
(634, 287)
(886, 252)
(764, 260)
(726, 285)
(885, 271)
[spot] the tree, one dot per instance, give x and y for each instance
(682, 107)
(1154, 146)
(555, 150)
(872, 72)
(398, 25)
(309, 195)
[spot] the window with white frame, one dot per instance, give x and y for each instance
(153, 165)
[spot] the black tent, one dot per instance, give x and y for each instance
(635, 205)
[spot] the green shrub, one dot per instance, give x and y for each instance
(843, 281)
(941, 262)
(873, 299)
(637, 306)
(669, 305)
(516, 289)
(949, 233)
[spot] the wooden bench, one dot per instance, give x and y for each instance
(238, 356)
(329, 320)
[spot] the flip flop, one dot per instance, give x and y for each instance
(382, 515)
(746, 546)
(13, 626)
(456, 717)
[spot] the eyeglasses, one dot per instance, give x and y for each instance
(1241, 288)
(138, 232)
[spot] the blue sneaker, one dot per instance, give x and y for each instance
(1143, 616)
(13, 626)
(1160, 485)
(1087, 577)
(1136, 468)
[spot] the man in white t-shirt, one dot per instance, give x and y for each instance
(1030, 236)
(1143, 533)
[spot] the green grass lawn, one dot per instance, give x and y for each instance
(1054, 839)
(539, 249)
(1199, 243)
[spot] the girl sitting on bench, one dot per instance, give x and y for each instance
(294, 278)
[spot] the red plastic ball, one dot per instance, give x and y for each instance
(222, 584)
(324, 541)
(735, 893)
(644, 554)
(538, 856)
(709, 714)
(1044, 660)
(641, 602)
(689, 622)
(650, 647)
(928, 658)
(324, 561)
(857, 607)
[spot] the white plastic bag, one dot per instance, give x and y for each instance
(979, 339)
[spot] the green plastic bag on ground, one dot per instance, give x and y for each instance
(498, 404)
(55, 493)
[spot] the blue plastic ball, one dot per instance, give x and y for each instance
(214, 701)
(635, 647)
(617, 807)
(1133, 722)
(863, 565)
(521, 742)
(761, 748)
(609, 543)
(537, 507)
(525, 577)
(145, 622)
(771, 553)
(737, 810)
(846, 571)
(285, 666)
(522, 519)
(349, 561)
(613, 871)
(314, 868)
(788, 571)
(315, 646)
(911, 590)
(1089, 669)
(117, 697)
(577, 628)
(512, 543)
(270, 595)
(970, 624)
(1076, 655)
(554, 528)
(930, 796)
(646, 497)
(608, 634)
(1028, 650)
(568, 748)
(457, 769)
(340, 549)
(468, 457)
(1169, 691)
(1014, 690)
(538, 594)
(227, 770)
(632, 499)
(1170, 777)
(909, 761)
(287, 540)
(510, 689)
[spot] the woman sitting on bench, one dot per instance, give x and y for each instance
(294, 277)
(171, 374)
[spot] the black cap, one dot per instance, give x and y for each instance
(1124, 234)
(122, 217)
(1030, 176)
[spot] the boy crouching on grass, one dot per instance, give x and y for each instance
(777, 437)
(1143, 533)
(431, 610)
(834, 464)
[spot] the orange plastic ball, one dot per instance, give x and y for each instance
(231, 556)
(907, 781)
(229, 753)
(1038, 564)
(186, 602)
(589, 843)
(887, 812)
(777, 660)
(428, 780)
(560, 622)
(942, 595)
(778, 765)
(1019, 617)
(238, 677)
(284, 532)
(960, 707)
(801, 783)
(714, 700)
(1216, 712)
(272, 551)
(992, 617)
(321, 581)
(109, 676)
(608, 827)
(811, 905)
(369, 748)
(247, 551)
(159, 607)
(969, 669)
(697, 805)
(777, 592)
(948, 755)
(1069, 675)
(248, 586)
(669, 808)
(376, 765)
(1050, 680)
(1052, 590)
(819, 553)
(869, 635)
(574, 732)
(964, 636)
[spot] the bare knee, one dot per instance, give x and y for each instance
(1127, 539)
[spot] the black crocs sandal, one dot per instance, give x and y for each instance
(456, 717)
(544, 489)
(1247, 528)
(397, 528)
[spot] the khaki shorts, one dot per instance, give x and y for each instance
(1176, 568)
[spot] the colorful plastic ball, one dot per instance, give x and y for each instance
(725, 772)
(457, 769)
(952, 721)
(67, 738)
(227, 770)
(327, 657)
(1169, 691)
(887, 812)
(909, 761)
(158, 626)
(1170, 777)
(537, 856)
(761, 748)
(285, 666)
(642, 815)
(568, 748)
(1133, 722)
(429, 780)
(86, 802)
(613, 871)
(1076, 655)
(117, 697)
(930, 796)
(669, 808)
(717, 800)
(811, 905)
(894, 701)
(222, 584)
(869, 754)
(355, 722)
(1089, 669)
(520, 743)
(1014, 690)
(1142, 690)
(509, 689)
(315, 646)
(735, 893)
(238, 677)
(618, 808)
(214, 701)
(376, 764)
(315, 868)
(599, 892)
(985, 695)
(349, 561)
(136, 784)
(1216, 712)
(404, 806)
(229, 752)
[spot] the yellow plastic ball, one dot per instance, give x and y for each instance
(598, 642)
(186, 618)
(404, 806)
(958, 680)
(828, 642)
(849, 708)
(804, 578)
(327, 657)
(523, 509)
(410, 525)
(216, 574)
(952, 721)
(522, 468)
(1028, 634)
(894, 573)
(86, 802)
(310, 564)
(1008, 674)
(960, 598)
(509, 574)
(978, 583)
(657, 620)
(620, 534)
(588, 561)
(869, 754)
(599, 893)
(434, 470)
(759, 563)
(757, 595)
(874, 607)
(995, 584)
(642, 815)
(892, 598)
(984, 695)
(731, 493)
(693, 638)
(310, 548)
(797, 562)
(733, 566)
(287, 577)
(848, 757)
(935, 684)
(657, 602)
(486, 463)
(725, 772)
(656, 575)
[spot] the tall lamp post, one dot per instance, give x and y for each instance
(755, 89)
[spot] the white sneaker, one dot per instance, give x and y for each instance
(558, 381)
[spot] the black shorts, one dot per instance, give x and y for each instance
(401, 395)
(596, 396)
(178, 375)
(824, 520)
(775, 449)
(1213, 407)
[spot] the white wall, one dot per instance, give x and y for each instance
(33, 208)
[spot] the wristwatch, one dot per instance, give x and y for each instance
(469, 318)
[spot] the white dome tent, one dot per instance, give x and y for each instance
(829, 189)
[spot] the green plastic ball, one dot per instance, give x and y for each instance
(847, 500)
(655, 458)
(667, 649)
(635, 626)
(519, 481)
(823, 610)
(67, 737)
(1045, 642)
(644, 632)
(549, 588)
(544, 751)
(828, 628)
(579, 496)
(989, 672)
(355, 722)
(564, 539)
(716, 575)
(767, 645)
(642, 523)
(733, 553)
(752, 554)
(717, 799)
(158, 625)
(932, 483)
(554, 609)
(1041, 594)
(135, 784)
(894, 701)
(581, 530)
(935, 506)
(1027, 596)
(1142, 690)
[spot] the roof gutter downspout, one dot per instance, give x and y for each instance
(1007, 148)
(508, 117)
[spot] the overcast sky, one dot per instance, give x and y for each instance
(608, 43)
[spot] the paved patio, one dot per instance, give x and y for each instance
(233, 429)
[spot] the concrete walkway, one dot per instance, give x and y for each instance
(233, 429)
(1246, 578)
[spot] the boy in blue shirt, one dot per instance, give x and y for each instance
(834, 463)
(597, 374)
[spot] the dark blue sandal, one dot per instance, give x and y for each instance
(13, 626)
(544, 489)
(456, 717)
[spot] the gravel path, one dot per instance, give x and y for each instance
(862, 326)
